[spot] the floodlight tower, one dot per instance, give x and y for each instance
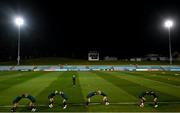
(168, 24)
(19, 22)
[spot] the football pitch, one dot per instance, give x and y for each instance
(122, 89)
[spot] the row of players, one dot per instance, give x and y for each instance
(51, 96)
(141, 96)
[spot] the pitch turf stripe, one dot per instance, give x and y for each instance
(53, 85)
(100, 74)
(80, 87)
(131, 87)
(95, 103)
(161, 74)
(159, 86)
(158, 77)
(92, 82)
(63, 83)
(163, 83)
(116, 79)
(7, 73)
(26, 76)
(168, 74)
(80, 94)
(13, 75)
(88, 83)
(75, 94)
(10, 76)
(33, 87)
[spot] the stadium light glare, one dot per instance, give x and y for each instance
(19, 21)
(168, 24)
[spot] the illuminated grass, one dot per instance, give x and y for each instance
(121, 87)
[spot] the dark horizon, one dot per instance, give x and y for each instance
(119, 29)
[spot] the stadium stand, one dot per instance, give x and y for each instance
(42, 68)
(82, 68)
(98, 68)
(54, 68)
(91, 68)
(76, 68)
(125, 68)
(23, 68)
(171, 68)
(148, 68)
(5, 68)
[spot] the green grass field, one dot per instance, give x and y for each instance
(122, 89)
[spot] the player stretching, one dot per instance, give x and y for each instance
(65, 98)
(91, 94)
(151, 93)
(18, 98)
(51, 98)
(143, 99)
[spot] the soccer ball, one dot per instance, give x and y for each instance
(107, 103)
(33, 109)
(50, 105)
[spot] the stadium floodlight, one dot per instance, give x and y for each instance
(168, 24)
(19, 22)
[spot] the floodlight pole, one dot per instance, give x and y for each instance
(19, 37)
(170, 54)
(19, 21)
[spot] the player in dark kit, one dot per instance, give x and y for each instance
(51, 98)
(65, 98)
(15, 103)
(151, 93)
(74, 80)
(91, 94)
(143, 99)
(18, 98)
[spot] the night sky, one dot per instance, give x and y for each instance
(72, 29)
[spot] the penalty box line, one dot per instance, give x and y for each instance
(94, 103)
